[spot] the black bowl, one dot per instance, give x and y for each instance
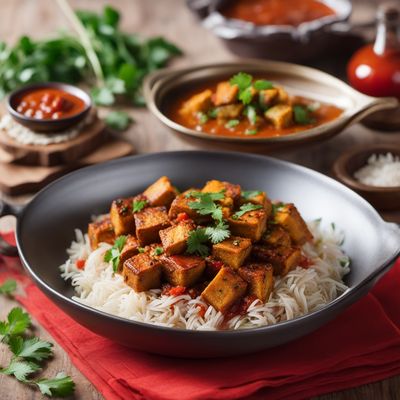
(52, 125)
(46, 228)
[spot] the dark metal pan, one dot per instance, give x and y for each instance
(45, 229)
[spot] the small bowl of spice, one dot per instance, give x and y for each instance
(373, 172)
(48, 107)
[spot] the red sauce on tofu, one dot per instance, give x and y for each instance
(49, 103)
(277, 12)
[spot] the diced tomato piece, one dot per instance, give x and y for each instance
(80, 264)
(182, 217)
(305, 262)
(202, 310)
(177, 291)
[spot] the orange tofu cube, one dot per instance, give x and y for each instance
(182, 270)
(121, 216)
(232, 192)
(260, 279)
(181, 205)
(161, 192)
(101, 231)
(290, 219)
(268, 97)
(225, 94)
(280, 116)
(258, 198)
(149, 222)
(200, 102)
(230, 111)
(250, 225)
(276, 236)
(174, 238)
(142, 272)
(226, 288)
(130, 249)
(232, 251)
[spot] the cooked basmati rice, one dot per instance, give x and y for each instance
(301, 291)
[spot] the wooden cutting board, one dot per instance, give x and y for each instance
(16, 179)
(88, 140)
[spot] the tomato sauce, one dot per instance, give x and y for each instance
(277, 12)
(325, 113)
(49, 103)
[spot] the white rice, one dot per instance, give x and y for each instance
(381, 170)
(300, 292)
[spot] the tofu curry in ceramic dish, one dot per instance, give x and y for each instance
(247, 106)
(214, 257)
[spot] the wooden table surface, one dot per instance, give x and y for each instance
(169, 18)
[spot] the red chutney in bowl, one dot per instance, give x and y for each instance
(276, 12)
(49, 103)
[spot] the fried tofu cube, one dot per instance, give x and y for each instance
(277, 237)
(198, 103)
(182, 270)
(99, 232)
(283, 259)
(290, 219)
(121, 216)
(181, 205)
(160, 193)
(259, 198)
(232, 192)
(260, 279)
(250, 225)
(268, 97)
(281, 116)
(149, 222)
(130, 249)
(232, 251)
(230, 111)
(225, 94)
(142, 272)
(226, 288)
(283, 96)
(174, 238)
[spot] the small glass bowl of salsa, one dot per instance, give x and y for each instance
(49, 107)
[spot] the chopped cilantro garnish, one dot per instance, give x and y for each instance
(196, 242)
(232, 123)
(112, 255)
(302, 115)
(246, 208)
(251, 114)
(276, 207)
(251, 132)
(218, 233)
(213, 113)
(141, 249)
(8, 287)
(242, 80)
(158, 251)
(202, 118)
(249, 194)
(263, 84)
(138, 205)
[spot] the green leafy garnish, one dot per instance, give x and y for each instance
(196, 242)
(8, 287)
(112, 255)
(302, 115)
(244, 209)
(202, 118)
(251, 114)
(242, 80)
(158, 251)
(276, 207)
(20, 369)
(31, 349)
(138, 205)
(218, 233)
(17, 322)
(232, 123)
(141, 249)
(118, 120)
(205, 204)
(213, 113)
(207, 196)
(61, 385)
(263, 84)
(249, 194)
(251, 132)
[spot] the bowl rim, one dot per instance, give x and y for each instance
(340, 167)
(66, 87)
(347, 295)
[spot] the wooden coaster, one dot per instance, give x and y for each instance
(16, 179)
(92, 136)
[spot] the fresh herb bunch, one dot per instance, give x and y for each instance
(29, 352)
(112, 255)
(122, 60)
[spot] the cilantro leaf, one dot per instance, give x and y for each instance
(112, 255)
(249, 194)
(118, 120)
(205, 196)
(31, 349)
(21, 369)
(276, 207)
(251, 132)
(158, 251)
(138, 205)
(202, 118)
(263, 84)
(246, 95)
(302, 115)
(246, 208)
(205, 204)
(103, 96)
(196, 242)
(251, 114)
(218, 233)
(232, 123)
(242, 80)
(61, 385)
(213, 113)
(8, 287)
(17, 322)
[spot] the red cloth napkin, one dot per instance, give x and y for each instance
(360, 346)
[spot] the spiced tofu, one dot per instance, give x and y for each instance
(290, 219)
(148, 224)
(122, 216)
(250, 225)
(182, 270)
(283, 259)
(231, 192)
(276, 236)
(142, 272)
(232, 251)
(101, 231)
(198, 103)
(257, 198)
(174, 238)
(260, 279)
(161, 192)
(225, 94)
(281, 116)
(130, 249)
(226, 288)
(181, 204)
(230, 111)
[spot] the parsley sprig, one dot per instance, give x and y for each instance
(112, 255)
(138, 205)
(27, 353)
(246, 88)
(245, 208)
(197, 242)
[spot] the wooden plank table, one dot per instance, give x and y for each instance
(171, 19)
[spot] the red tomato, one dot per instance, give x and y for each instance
(182, 217)
(80, 264)
(177, 291)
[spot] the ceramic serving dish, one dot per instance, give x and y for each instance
(162, 86)
(45, 231)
